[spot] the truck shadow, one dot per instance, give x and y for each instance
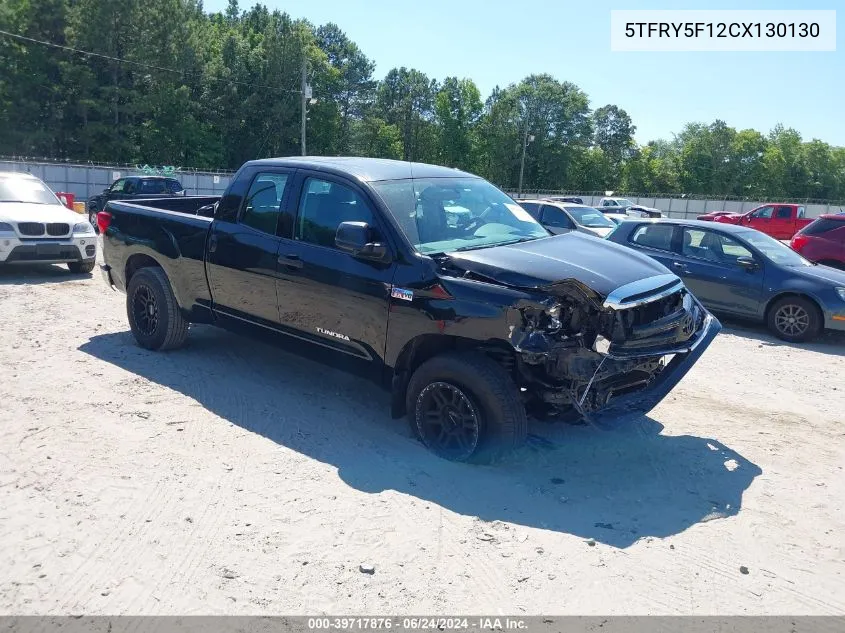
(615, 483)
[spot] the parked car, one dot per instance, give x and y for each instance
(742, 272)
(623, 205)
(823, 241)
(468, 326)
(36, 228)
(712, 215)
(572, 199)
(780, 221)
(559, 217)
(134, 187)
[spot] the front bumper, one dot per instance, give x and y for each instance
(683, 359)
(14, 250)
(835, 320)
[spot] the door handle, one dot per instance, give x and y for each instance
(679, 266)
(212, 244)
(291, 261)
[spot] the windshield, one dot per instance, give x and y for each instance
(15, 188)
(776, 251)
(587, 216)
(447, 214)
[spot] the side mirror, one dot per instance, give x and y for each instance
(355, 238)
(748, 263)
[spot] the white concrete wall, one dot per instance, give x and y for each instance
(84, 181)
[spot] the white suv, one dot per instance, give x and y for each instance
(35, 228)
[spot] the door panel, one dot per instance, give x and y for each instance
(656, 241)
(327, 295)
(243, 251)
(761, 218)
(707, 264)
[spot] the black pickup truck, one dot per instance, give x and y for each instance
(428, 279)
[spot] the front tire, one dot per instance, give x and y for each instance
(81, 267)
(92, 218)
(795, 319)
(154, 315)
(465, 407)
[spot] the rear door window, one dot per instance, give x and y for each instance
(557, 218)
(784, 213)
(152, 186)
(263, 202)
(823, 225)
(532, 207)
(658, 236)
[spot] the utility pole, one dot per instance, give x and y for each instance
(303, 86)
(525, 141)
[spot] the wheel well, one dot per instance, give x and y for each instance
(137, 262)
(427, 346)
(783, 295)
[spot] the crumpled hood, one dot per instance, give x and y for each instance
(601, 265)
(28, 212)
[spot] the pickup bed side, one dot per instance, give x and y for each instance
(174, 239)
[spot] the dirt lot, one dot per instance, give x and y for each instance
(231, 477)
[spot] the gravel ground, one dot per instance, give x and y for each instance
(232, 477)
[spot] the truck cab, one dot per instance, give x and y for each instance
(780, 221)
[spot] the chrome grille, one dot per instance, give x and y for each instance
(31, 228)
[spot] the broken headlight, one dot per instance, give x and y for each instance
(554, 317)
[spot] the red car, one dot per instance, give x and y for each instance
(823, 241)
(778, 220)
(712, 215)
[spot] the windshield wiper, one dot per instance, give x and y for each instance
(508, 243)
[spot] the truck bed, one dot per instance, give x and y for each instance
(167, 230)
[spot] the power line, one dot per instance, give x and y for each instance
(139, 64)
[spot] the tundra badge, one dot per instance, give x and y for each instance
(342, 337)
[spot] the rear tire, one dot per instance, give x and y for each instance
(795, 319)
(465, 407)
(154, 315)
(80, 267)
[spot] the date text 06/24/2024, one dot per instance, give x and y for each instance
(483, 623)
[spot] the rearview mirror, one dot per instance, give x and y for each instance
(749, 263)
(356, 238)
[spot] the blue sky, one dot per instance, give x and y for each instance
(498, 42)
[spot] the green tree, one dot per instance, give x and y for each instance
(405, 99)
(458, 106)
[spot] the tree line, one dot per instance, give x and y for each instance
(168, 83)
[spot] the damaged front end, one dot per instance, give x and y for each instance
(579, 352)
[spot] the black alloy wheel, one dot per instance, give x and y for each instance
(448, 421)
